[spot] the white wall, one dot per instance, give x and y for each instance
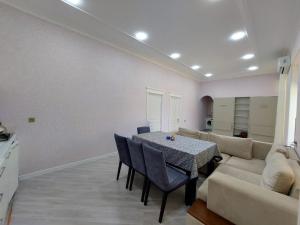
(80, 91)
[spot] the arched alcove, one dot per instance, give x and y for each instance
(206, 108)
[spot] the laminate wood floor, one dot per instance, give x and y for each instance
(89, 194)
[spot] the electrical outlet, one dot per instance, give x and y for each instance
(31, 119)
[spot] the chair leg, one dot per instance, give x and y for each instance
(147, 192)
(119, 170)
(131, 180)
(144, 189)
(128, 177)
(163, 205)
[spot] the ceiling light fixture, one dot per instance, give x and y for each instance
(248, 56)
(73, 2)
(236, 36)
(141, 36)
(208, 74)
(175, 55)
(195, 67)
(253, 68)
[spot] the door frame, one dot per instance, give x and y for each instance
(172, 95)
(157, 92)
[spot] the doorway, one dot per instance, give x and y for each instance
(154, 109)
(175, 112)
(207, 103)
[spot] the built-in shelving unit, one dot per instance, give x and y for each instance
(241, 115)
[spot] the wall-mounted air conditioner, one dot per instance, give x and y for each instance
(284, 64)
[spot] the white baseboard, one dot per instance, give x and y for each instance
(64, 166)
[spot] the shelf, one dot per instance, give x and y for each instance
(241, 128)
(242, 116)
(242, 103)
(241, 123)
(241, 109)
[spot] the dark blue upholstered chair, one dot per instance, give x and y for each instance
(124, 156)
(138, 163)
(165, 177)
(142, 130)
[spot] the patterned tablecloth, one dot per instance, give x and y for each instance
(186, 153)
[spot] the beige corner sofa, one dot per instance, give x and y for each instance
(254, 184)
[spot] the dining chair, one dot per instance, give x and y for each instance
(124, 156)
(142, 130)
(138, 163)
(163, 176)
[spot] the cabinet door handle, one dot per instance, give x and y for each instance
(1, 196)
(2, 171)
(8, 155)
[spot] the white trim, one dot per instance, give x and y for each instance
(155, 91)
(174, 95)
(64, 166)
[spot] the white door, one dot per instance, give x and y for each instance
(154, 110)
(175, 113)
(262, 118)
(223, 116)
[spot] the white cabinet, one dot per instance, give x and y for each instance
(253, 115)
(8, 174)
(262, 118)
(223, 116)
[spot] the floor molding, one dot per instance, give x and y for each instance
(64, 166)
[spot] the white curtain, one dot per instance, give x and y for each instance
(281, 118)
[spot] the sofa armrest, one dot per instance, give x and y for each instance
(244, 203)
(260, 149)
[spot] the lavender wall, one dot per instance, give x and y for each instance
(80, 91)
(263, 85)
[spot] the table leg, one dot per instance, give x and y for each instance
(210, 167)
(190, 191)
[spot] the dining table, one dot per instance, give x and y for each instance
(185, 153)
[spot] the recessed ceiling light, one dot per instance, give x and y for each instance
(253, 68)
(195, 67)
(73, 2)
(238, 35)
(248, 56)
(141, 36)
(208, 74)
(175, 55)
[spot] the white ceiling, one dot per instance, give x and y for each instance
(198, 29)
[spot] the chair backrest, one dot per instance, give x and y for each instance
(156, 166)
(142, 130)
(137, 156)
(123, 150)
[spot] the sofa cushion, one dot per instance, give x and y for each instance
(225, 158)
(260, 149)
(278, 175)
(228, 170)
(277, 148)
(203, 135)
(239, 147)
(212, 137)
(253, 165)
(295, 190)
(188, 133)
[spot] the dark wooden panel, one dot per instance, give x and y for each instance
(204, 215)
